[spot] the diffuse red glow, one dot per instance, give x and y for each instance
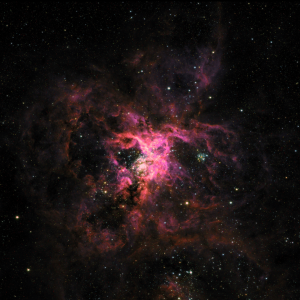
(134, 182)
(156, 170)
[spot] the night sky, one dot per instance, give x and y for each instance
(150, 151)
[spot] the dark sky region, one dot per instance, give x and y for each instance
(149, 150)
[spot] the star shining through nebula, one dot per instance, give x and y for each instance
(146, 176)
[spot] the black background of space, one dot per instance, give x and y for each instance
(259, 92)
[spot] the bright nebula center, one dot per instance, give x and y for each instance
(142, 167)
(151, 167)
(152, 164)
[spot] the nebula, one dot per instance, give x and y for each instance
(140, 198)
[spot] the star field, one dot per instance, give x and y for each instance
(149, 151)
